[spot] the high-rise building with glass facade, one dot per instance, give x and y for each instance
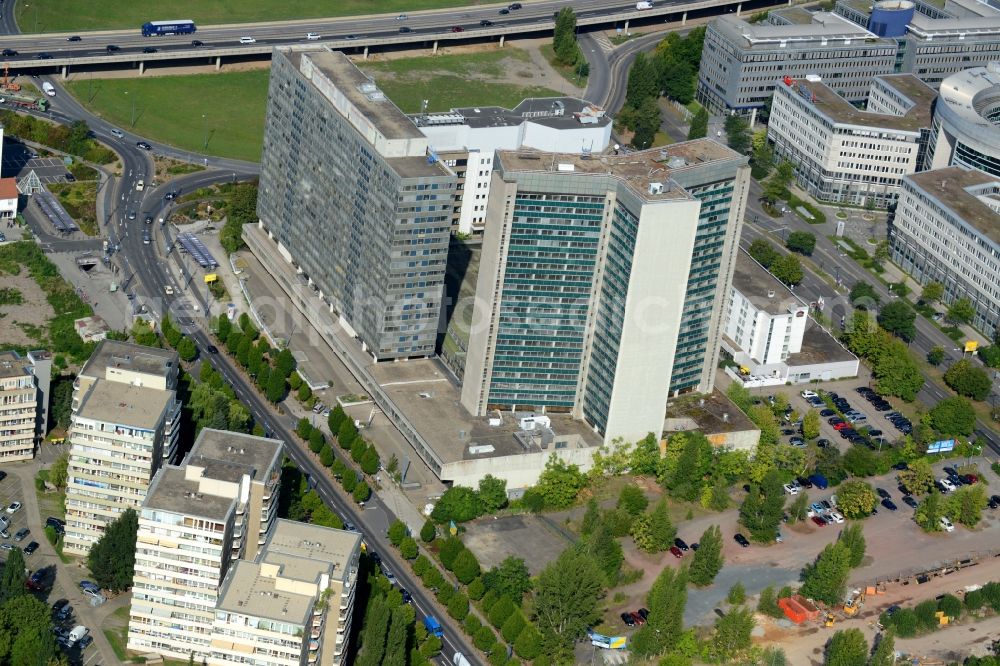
(354, 198)
(602, 282)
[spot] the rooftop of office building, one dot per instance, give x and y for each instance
(971, 98)
(554, 112)
(227, 456)
(790, 15)
(171, 492)
(766, 292)
(960, 190)
(125, 404)
(245, 590)
(129, 356)
(823, 27)
(818, 346)
(648, 172)
(340, 80)
(324, 547)
(13, 364)
(832, 105)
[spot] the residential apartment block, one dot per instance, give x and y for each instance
(603, 282)
(197, 519)
(843, 154)
(125, 425)
(354, 200)
(466, 139)
(965, 129)
(24, 403)
(293, 604)
(946, 230)
(120, 436)
(743, 62)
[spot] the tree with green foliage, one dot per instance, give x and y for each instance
(510, 578)
(694, 455)
(642, 82)
(737, 133)
(767, 603)
(370, 462)
(632, 500)
(856, 499)
(928, 514)
(528, 644)
(448, 550)
(326, 456)
(606, 552)
(990, 356)
(953, 416)
(853, 537)
(699, 125)
(847, 647)
(336, 418)
(567, 600)
(885, 650)
(13, 578)
(112, 557)
(708, 559)
(458, 503)
(647, 123)
(968, 380)
(317, 440)
(733, 633)
(863, 296)
(961, 311)
(860, 461)
(276, 387)
(492, 493)
(763, 507)
(966, 505)
(763, 252)
(187, 350)
(397, 532)
(303, 428)
(666, 601)
(899, 318)
(737, 594)
(826, 578)
(513, 627)
(802, 242)
(932, 292)
(466, 567)
(788, 269)
(26, 625)
(653, 532)
(564, 43)
(799, 508)
(936, 355)
(591, 517)
(59, 472)
(762, 156)
(361, 492)
(560, 483)
(428, 531)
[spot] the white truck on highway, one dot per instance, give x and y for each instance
(644, 4)
(48, 89)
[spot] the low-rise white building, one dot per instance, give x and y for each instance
(466, 139)
(843, 154)
(770, 335)
(8, 198)
(947, 229)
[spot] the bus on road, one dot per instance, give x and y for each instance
(159, 28)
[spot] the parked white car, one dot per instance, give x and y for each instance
(791, 490)
(837, 518)
(947, 484)
(809, 394)
(947, 525)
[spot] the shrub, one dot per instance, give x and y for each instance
(466, 567)
(501, 611)
(326, 455)
(428, 532)
(408, 548)
(422, 564)
(973, 600)
(471, 624)
(484, 639)
(459, 504)
(449, 550)
(513, 626)
(476, 589)
(458, 606)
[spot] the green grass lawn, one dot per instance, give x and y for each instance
(448, 81)
(169, 109)
(72, 15)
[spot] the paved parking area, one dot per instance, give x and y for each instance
(18, 160)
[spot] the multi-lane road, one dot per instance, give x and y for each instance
(461, 23)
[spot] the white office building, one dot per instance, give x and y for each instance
(846, 155)
(965, 131)
(769, 334)
(947, 229)
(466, 139)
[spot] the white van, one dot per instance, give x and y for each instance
(48, 89)
(644, 4)
(140, 186)
(78, 632)
(247, 40)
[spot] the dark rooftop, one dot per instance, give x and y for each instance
(712, 412)
(818, 346)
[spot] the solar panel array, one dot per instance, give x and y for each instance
(193, 246)
(53, 210)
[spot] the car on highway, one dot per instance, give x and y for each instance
(676, 552)
(312, 36)
(143, 145)
(407, 597)
(14, 507)
(149, 49)
(742, 540)
(131, 215)
(405, 30)
(43, 56)
(9, 53)
(247, 40)
(73, 38)
(111, 48)
(514, 6)
(212, 349)
(504, 11)
(117, 133)
(197, 42)
(30, 548)
(457, 28)
(171, 195)
(485, 23)
(402, 17)
(351, 37)
(148, 219)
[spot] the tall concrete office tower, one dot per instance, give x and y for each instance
(603, 282)
(352, 196)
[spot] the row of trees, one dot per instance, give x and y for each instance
(389, 635)
(461, 504)
(908, 622)
(74, 139)
(895, 371)
(564, 44)
(849, 647)
(785, 267)
(25, 622)
(241, 208)
(826, 578)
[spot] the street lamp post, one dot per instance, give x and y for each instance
(205, 125)
(133, 109)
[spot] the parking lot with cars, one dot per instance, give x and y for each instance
(19, 159)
